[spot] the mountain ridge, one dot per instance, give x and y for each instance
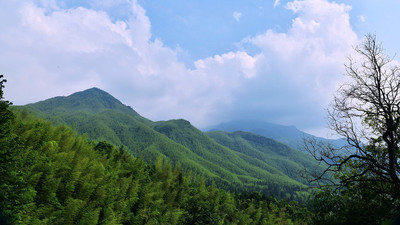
(104, 118)
(289, 135)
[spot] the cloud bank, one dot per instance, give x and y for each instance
(51, 49)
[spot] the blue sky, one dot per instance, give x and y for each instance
(204, 61)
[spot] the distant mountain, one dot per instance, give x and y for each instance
(289, 135)
(235, 161)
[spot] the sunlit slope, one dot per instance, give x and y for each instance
(248, 168)
(280, 156)
(249, 172)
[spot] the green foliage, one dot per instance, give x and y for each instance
(14, 193)
(285, 163)
(52, 175)
(356, 204)
(70, 180)
(251, 167)
(362, 202)
(281, 158)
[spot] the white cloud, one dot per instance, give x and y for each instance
(276, 3)
(362, 18)
(56, 51)
(320, 37)
(301, 68)
(237, 16)
(75, 30)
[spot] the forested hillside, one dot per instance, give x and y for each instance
(104, 118)
(279, 156)
(52, 175)
(243, 172)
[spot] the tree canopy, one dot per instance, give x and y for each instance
(52, 175)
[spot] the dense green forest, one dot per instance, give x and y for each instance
(258, 164)
(52, 175)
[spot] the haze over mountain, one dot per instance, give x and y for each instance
(236, 161)
(289, 135)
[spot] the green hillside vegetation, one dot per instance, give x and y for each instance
(90, 101)
(104, 118)
(246, 171)
(52, 175)
(279, 156)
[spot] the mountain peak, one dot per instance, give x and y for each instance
(94, 92)
(92, 100)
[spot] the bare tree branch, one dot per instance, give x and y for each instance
(366, 112)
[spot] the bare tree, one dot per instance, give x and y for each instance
(366, 112)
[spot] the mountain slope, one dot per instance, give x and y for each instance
(103, 117)
(237, 167)
(280, 156)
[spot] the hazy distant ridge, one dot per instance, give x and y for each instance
(289, 135)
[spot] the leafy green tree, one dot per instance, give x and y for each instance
(354, 204)
(13, 191)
